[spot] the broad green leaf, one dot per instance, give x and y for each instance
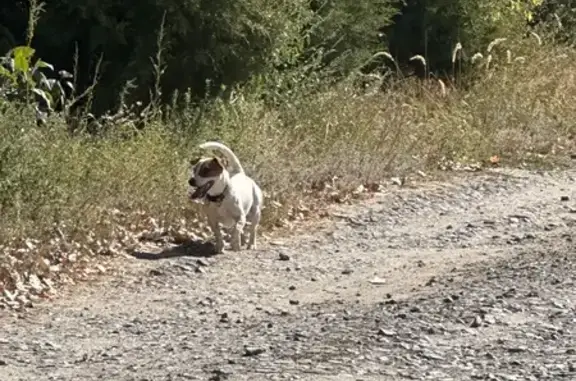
(41, 65)
(65, 74)
(22, 56)
(40, 78)
(50, 83)
(44, 95)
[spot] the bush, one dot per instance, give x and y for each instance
(67, 197)
(206, 44)
(556, 19)
(64, 197)
(434, 28)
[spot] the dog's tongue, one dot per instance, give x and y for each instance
(197, 193)
(201, 191)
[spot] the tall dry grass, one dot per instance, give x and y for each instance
(65, 199)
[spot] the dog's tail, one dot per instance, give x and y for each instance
(230, 156)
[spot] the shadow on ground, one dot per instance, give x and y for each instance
(192, 248)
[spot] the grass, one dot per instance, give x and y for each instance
(66, 200)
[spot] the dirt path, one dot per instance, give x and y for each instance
(469, 280)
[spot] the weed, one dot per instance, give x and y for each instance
(66, 198)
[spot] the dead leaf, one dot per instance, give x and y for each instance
(495, 160)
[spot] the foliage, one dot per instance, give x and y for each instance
(25, 80)
(434, 28)
(211, 45)
(557, 19)
(278, 81)
(221, 41)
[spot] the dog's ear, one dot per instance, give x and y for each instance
(217, 163)
(211, 168)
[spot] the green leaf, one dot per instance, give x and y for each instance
(40, 78)
(50, 83)
(41, 64)
(65, 74)
(44, 95)
(22, 57)
(5, 73)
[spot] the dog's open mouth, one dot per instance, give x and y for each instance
(200, 192)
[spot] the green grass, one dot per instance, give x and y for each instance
(84, 195)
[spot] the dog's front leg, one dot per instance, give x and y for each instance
(215, 227)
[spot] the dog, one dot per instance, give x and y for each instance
(230, 197)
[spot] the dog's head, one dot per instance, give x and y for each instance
(205, 172)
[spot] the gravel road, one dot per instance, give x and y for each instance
(473, 279)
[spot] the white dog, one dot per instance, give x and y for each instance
(231, 198)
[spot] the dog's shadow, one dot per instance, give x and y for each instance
(192, 248)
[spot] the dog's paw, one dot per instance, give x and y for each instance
(219, 248)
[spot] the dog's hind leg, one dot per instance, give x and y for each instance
(237, 230)
(254, 219)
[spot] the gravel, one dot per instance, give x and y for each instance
(468, 280)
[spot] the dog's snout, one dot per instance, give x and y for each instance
(192, 182)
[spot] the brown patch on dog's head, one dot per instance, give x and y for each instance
(211, 168)
(205, 171)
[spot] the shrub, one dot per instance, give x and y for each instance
(434, 28)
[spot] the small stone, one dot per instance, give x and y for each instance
(477, 322)
(294, 302)
(200, 270)
(377, 281)
(155, 272)
(283, 257)
(201, 262)
(519, 349)
(292, 288)
(386, 332)
(253, 351)
(431, 355)
(489, 319)
(564, 198)
(220, 375)
(346, 272)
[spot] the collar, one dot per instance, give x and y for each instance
(217, 198)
